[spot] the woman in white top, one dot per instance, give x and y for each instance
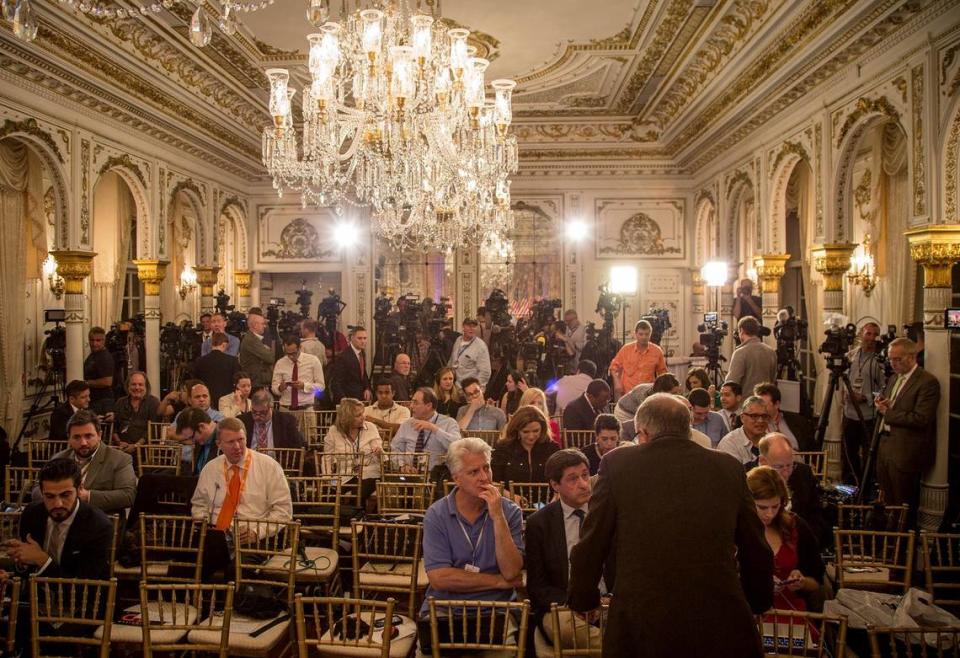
(352, 435)
(233, 404)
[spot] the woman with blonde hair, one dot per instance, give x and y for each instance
(450, 397)
(798, 568)
(535, 397)
(352, 435)
(523, 450)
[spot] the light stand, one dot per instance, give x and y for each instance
(624, 281)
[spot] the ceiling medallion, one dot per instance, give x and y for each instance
(396, 117)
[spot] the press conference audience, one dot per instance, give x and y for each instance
(297, 376)
(133, 413)
(218, 325)
(487, 564)
(570, 387)
(216, 368)
(266, 428)
(197, 432)
(805, 492)
(78, 397)
(256, 357)
(427, 430)
(98, 371)
(582, 412)
(706, 421)
(309, 342)
(628, 404)
(523, 450)
(695, 435)
(515, 386)
(754, 362)
(742, 442)
(731, 395)
(349, 439)
(470, 357)
(798, 429)
(638, 362)
(177, 399)
(606, 429)
(235, 403)
(400, 377)
(349, 377)
(199, 399)
(449, 395)
(476, 414)
(535, 397)
(385, 413)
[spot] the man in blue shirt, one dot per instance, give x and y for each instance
(477, 414)
(709, 422)
(219, 324)
(427, 430)
(472, 539)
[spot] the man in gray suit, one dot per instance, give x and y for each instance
(908, 435)
(256, 358)
(753, 362)
(107, 480)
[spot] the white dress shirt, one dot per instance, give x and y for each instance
(309, 371)
(265, 495)
(395, 414)
(571, 526)
(54, 552)
(367, 441)
(737, 444)
(229, 408)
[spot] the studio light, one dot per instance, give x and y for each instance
(576, 230)
(623, 279)
(715, 273)
(346, 235)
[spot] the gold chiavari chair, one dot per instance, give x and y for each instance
(71, 604)
(316, 505)
(321, 621)
(940, 553)
(531, 495)
(874, 560)
(9, 529)
(387, 559)
(576, 636)
(578, 439)
(789, 633)
(171, 548)
(174, 610)
(404, 497)
(9, 611)
(40, 451)
(914, 642)
(405, 466)
(18, 483)
(158, 458)
(490, 437)
(817, 461)
(478, 626)
(348, 466)
(891, 518)
(290, 460)
(157, 432)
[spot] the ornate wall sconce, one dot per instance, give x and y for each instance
(54, 280)
(188, 282)
(862, 270)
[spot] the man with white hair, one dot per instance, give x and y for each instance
(472, 538)
(776, 452)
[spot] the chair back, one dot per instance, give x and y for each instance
(106, 431)
(940, 555)
(171, 548)
(40, 451)
(316, 504)
(290, 460)
(9, 529)
(404, 497)
(533, 495)
(177, 609)
(158, 458)
(817, 461)
(890, 518)
(348, 466)
(386, 434)
(489, 436)
(157, 432)
(478, 625)
(272, 560)
(386, 558)
(405, 466)
(794, 633)
(914, 642)
(18, 483)
(573, 635)
(9, 609)
(314, 425)
(69, 610)
(578, 439)
(874, 560)
(320, 626)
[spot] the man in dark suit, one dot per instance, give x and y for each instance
(908, 436)
(78, 397)
(582, 413)
(552, 531)
(216, 368)
(256, 358)
(266, 428)
(348, 374)
(679, 594)
(777, 453)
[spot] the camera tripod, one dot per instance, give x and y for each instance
(55, 384)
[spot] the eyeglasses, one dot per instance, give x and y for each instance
(763, 417)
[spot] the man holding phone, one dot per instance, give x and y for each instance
(298, 378)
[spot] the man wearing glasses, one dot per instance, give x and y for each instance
(742, 442)
(266, 429)
(476, 414)
(776, 452)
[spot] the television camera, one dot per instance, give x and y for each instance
(712, 332)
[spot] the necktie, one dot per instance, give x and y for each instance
(897, 385)
(53, 545)
(580, 514)
(755, 451)
(262, 436)
(295, 390)
(421, 441)
(363, 364)
(84, 467)
(230, 502)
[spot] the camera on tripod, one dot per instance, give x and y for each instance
(543, 315)
(222, 304)
(789, 329)
(498, 306)
(712, 330)
(839, 340)
(659, 319)
(608, 304)
(330, 306)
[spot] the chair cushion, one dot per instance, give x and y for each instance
(153, 569)
(325, 561)
(374, 574)
(400, 647)
(132, 631)
(854, 574)
(240, 629)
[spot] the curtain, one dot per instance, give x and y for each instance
(894, 264)
(125, 211)
(813, 302)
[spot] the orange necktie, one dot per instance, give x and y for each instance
(231, 501)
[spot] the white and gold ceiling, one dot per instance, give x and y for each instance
(609, 86)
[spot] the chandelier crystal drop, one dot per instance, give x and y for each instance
(396, 117)
(24, 21)
(200, 29)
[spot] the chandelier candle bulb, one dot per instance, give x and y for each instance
(459, 53)
(372, 33)
(422, 39)
(317, 12)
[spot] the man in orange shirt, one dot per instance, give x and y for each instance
(639, 362)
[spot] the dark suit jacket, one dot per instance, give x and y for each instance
(286, 430)
(86, 549)
(546, 559)
(805, 502)
(579, 415)
(58, 422)
(913, 422)
(256, 359)
(679, 519)
(110, 479)
(803, 429)
(512, 463)
(346, 380)
(216, 369)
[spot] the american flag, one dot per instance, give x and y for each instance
(520, 307)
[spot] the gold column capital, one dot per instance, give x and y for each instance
(770, 269)
(242, 280)
(832, 261)
(206, 279)
(937, 248)
(74, 266)
(697, 287)
(151, 273)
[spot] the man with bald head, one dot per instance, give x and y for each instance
(777, 453)
(696, 503)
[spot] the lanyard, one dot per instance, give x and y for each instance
(463, 347)
(473, 547)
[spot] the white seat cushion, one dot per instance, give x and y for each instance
(374, 574)
(240, 628)
(325, 561)
(153, 569)
(400, 646)
(132, 632)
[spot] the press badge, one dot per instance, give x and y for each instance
(472, 568)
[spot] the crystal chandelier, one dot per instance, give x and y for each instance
(396, 117)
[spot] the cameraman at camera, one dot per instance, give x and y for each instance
(746, 305)
(98, 369)
(639, 362)
(753, 362)
(470, 357)
(867, 379)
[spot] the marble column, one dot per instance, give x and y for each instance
(770, 269)
(832, 261)
(241, 278)
(73, 267)
(937, 249)
(699, 294)
(207, 280)
(151, 273)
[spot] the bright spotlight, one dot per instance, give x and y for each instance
(623, 280)
(346, 235)
(714, 273)
(576, 230)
